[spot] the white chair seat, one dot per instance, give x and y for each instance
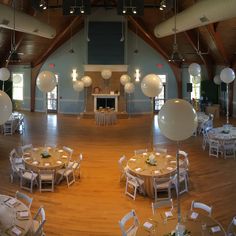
(163, 185)
(46, 177)
(35, 225)
(19, 166)
(29, 175)
(18, 161)
(132, 231)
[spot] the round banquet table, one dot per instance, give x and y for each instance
(15, 217)
(223, 134)
(165, 167)
(34, 161)
(201, 225)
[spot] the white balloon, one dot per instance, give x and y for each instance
(78, 85)
(106, 74)
(124, 79)
(217, 80)
(196, 79)
(87, 81)
(5, 107)
(151, 85)
(177, 119)
(227, 75)
(4, 74)
(17, 79)
(129, 88)
(194, 69)
(46, 81)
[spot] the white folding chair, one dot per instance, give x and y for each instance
(67, 173)
(183, 181)
(202, 206)
(133, 226)
(46, 180)
(38, 222)
(214, 148)
(231, 231)
(27, 147)
(24, 198)
(69, 152)
(122, 162)
(229, 149)
(205, 139)
(140, 151)
(15, 168)
(162, 185)
(163, 203)
(28, 179)
(184, 163)
(8, 127)
(15, 156)
(133, 184)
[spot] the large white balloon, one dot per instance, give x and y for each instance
(78, 85)
(151, 85)
(5, 107)
(87, 81)
(124, 79)
(217, 80)
(4, 74)
(46, 81)
(194, 69)
(227, 75)
(177, 119)
(106, 74)
(129, 88)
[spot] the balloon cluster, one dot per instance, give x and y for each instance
(151, 85)
(125, 80)
(46, 81)
(5, 101)
(227, 76)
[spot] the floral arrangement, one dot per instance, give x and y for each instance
(45, 154)
(151, 160)
(172, 233)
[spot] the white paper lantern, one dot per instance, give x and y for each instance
(217, 80)
(177, 119)
(227, 75)
(124, 79)
(46, 81)
(151, 85)
(129, 88)
(4, 74)
(5, 107)
(78, 85)
(194, 69)
(86, 80)
(17, 79)
(106, 74)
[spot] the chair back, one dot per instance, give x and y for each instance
(13, 153)
(121, 162)
(69, 151)
(231, 227)
(202, 206)
(140, 151)
(162, 203)
(26, 147)
(40, 217)
(132, 227)
(25, 198)
(80, 157)
(158, 149)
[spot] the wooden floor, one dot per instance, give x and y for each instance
(94, 204)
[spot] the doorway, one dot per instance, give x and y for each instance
(52, 100)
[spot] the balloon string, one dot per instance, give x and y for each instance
(3, 86)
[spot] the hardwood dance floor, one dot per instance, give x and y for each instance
(94, 204)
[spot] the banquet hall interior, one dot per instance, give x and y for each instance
(117, 117)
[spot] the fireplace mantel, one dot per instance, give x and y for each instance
(99, 95)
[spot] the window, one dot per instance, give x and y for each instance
(196, 87)
(17, 92)
(160, 100)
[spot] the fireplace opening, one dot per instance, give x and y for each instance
(105, 102)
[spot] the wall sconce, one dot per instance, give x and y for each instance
(74, 75)
(137, 75)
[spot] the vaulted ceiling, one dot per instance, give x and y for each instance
(217, 40)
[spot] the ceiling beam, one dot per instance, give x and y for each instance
(217, 42)
(58, 40)
(152, 41)
(205, 58)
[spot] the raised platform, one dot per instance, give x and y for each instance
(90, 115)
